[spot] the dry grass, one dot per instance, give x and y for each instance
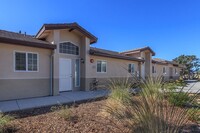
(149, 113)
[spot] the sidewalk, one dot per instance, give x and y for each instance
(192, 87)
(63, 98)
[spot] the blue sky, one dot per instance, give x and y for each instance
(169, 27)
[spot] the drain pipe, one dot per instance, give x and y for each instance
(51, 73)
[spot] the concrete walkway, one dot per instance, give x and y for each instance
(63, 98)
(192, 87)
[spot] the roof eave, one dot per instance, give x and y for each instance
(27, 43)
(93, 39)
(92, 52)
(160, 63)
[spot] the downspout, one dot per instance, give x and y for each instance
(140, 69)
(51, 73)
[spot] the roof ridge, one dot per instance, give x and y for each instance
(59, 23)
(17, 33)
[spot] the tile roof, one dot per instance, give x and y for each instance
(22, 39)
(112, 54)
(164, 62)
(70, 26)
(139, 50)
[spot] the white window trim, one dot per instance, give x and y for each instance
(14, 62)
(79, 73)
(66, 53)
(134, 68)
(101, 68)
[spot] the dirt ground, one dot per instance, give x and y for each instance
(85, 120)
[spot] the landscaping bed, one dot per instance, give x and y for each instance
(84, 118)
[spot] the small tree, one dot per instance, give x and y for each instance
(191, 63)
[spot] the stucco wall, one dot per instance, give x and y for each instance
(159, 71)
(147, 65)
(59, 36)
(14, 85)
(115, 68)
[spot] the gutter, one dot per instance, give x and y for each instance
(27, 43)
(51, 74)
(92, 52)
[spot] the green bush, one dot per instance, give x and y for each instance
(4, 120)
(181, 83)
(179, 98)
(170, 86)
(174, 85)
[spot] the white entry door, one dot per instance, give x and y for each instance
(65, 75)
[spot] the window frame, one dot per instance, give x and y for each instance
(14, 61)
(133, 68)
(101, 67)
(67, 53)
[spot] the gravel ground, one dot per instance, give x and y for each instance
(85, 120)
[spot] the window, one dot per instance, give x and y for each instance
(131, 68)
(68, 48)
(77, 73)
(101, 66)
(153, 69)
(175, 71)
(32, 62)
(164, 70)
(20, 61)
(26, 61)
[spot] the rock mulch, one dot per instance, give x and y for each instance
(85, 119)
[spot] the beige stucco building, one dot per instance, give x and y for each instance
(60, 58)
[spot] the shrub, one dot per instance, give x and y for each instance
(4, 120)
(170, 86)
(194, 115)
(179, 98)
(150, 112)
(65, 113)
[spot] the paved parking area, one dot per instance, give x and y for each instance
(63, 98)
(192, 87)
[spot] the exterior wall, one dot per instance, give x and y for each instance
(167, 76)
(146, 67)
(15, 85)
(85, 69)
(143, 66)
(59, 36)
(50, 38)
(116, 69)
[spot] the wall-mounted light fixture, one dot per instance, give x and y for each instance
(91, 60)
(82, 60)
